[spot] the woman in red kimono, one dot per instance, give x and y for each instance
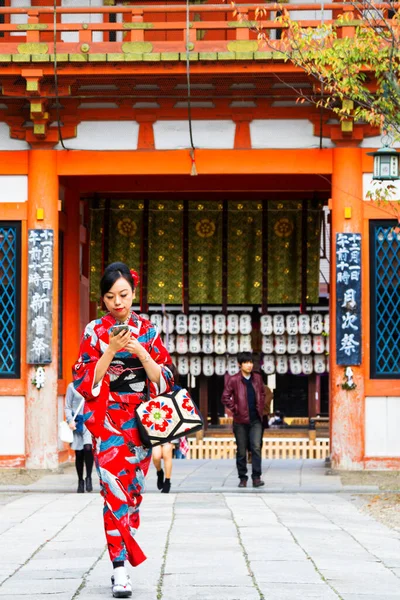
(112, 373)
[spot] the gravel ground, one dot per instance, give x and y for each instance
(20, 476)
(382, 507)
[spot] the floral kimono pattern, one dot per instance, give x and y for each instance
(110, 415)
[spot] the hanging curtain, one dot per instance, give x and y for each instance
(284, 252)
(205, 252)
(165, 252)
(124, 223)
(244, 252)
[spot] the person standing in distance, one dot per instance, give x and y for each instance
(244, 395)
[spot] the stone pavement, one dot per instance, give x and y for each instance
(224, 544)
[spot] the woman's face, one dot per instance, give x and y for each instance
(118, 299)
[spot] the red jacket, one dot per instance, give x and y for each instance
(234, 397)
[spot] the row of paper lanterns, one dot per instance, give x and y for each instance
(233, 324)
(219, 365)
(232, 344)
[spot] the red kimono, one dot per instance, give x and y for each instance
(110, 410)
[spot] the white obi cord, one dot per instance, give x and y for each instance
(220, 365)
(317, 324)
(266, 325)
(245, 324)
(267, 344)
(208, 344)
(183, 365)
(194, 324)
(219, 344)
(208, 366)
(220, 324)
(181, 324)
(292, 325)
(207, 323)
(279, 324)
(304, 324)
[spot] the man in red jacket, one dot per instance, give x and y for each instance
(244, 395)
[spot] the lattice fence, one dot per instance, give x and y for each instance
(273, 448)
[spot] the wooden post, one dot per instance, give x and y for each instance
(41, 405)
(347, 407)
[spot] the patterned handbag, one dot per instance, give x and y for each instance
(167, 417)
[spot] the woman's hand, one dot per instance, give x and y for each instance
(135, 347)
(72, 425)
(119, 341)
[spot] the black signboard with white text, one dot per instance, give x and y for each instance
(40, 296)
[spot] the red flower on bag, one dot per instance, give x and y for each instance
(187, 405)
(157, 416)
(135, 277)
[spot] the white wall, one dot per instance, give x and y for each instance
(7, 143)
(105, 135)
(81, 18)
(370, 186)
(13, 188)
(172, 135)
(12, 425)
(285, 133)
(382, 418)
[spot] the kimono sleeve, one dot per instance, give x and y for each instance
(84, 369)
(160, 355)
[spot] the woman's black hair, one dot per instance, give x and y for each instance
(112, 273)
(174, 371)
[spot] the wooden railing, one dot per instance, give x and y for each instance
(154, 29)
(273, 448)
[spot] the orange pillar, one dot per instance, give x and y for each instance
(71, 288)
(347, 407)
(41, 405)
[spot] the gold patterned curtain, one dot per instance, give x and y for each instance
(121, 223)
(244, 252)
(205, 253)
(285, 252)
(165, 252)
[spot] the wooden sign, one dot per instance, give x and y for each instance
(348, 299)
(40, 296)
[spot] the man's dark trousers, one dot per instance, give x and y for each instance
(245, 433)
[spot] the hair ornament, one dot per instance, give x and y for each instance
(135, 276)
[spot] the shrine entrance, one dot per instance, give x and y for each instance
(221, 272)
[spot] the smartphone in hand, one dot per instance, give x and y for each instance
(118, 328)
